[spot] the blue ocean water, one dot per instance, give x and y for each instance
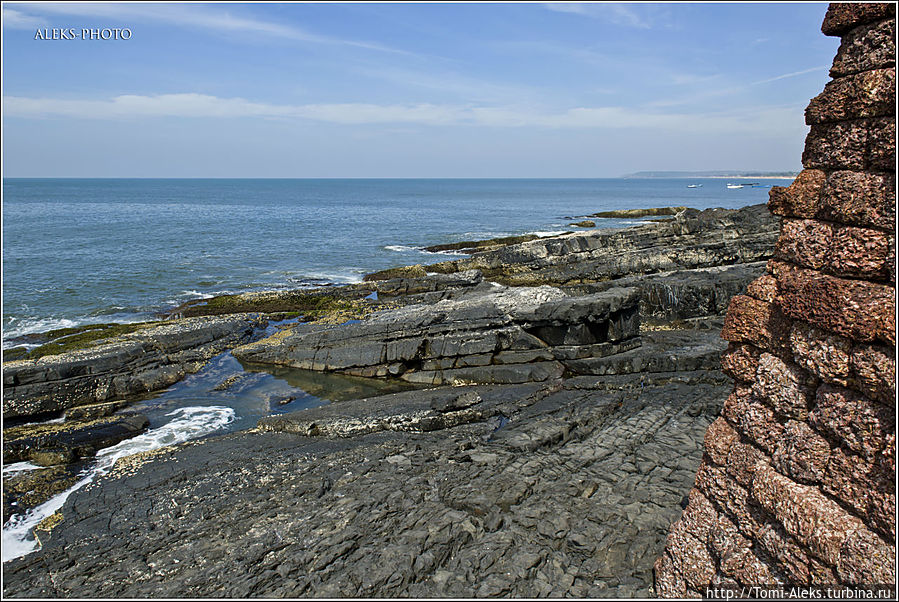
(98, 250)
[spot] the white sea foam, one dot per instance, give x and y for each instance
(423, 251)
(401, 248)
(11, 469)
(189, 423)
(543, 234)
(17, 328)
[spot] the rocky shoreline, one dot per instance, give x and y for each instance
(570, 381)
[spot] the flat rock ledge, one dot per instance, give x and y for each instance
(502, 336)
(562, 488)
(131, 364)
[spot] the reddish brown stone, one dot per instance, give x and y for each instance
(799, 199)
(783, 386)
(801, 453)
(874, 372)
(763, 288)
(869, 487)
(788, 557)
(858, 198)
(820, 573)
(719, 438)
(729, 497)
(866, 559)
(881, 152)
(691, 558)
(841, 145)
(749, 320)
(871, 46)
(862, 311)
(740, 361)
(860, 252)
(805, 242)
(823, 354)
(852, 419)
(753, 418)
(667, 580)
(805, 513)
(843, 16)
(866, 94)
(742, 462)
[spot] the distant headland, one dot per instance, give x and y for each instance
(712, 174)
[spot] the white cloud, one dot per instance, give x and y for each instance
(18, 20)
(617, 14)
(770, 120)
(793, 74)
(199, 16)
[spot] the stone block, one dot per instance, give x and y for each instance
(692, 559)
(860, 252)
(865, 558)
(862, 311)
(730, 497)
(801, 454)
(784, 386)
(867, 486)
(871, 46)
(753, 418)
(867, 94)
(719, 438)
(740, 361)
(788, 557)
(752, 321)
(852, 420)
(742, 461)
(668, 582)
(841, 145)
(843, 16)
(881, 151)
(874, 371)
(825, 355)
(805, 242)
(805, 513)
(857, 198)
(801, 198)
(763, 288)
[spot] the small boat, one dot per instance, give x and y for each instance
(734, 186)
(694, 185)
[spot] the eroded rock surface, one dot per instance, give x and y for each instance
(572, 496)
(131, 364)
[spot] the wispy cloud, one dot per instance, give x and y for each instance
(793, 74)
(207, 17)
(772, 120)
(18, 20)
(617, 14)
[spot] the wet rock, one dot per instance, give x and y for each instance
(475, 338)
(449, 513)
(132, 364)
(57, 443)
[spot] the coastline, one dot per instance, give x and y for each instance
(560, 343)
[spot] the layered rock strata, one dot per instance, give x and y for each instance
(504, 336)
(562, 488)
(797, 480)
(692, 239)
(131, 364)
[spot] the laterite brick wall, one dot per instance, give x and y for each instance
(797, 482)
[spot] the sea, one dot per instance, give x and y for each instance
(82, 251)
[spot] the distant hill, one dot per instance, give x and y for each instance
(713, 174)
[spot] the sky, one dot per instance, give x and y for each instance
(408, 90)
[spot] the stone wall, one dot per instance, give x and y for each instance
(797, 482)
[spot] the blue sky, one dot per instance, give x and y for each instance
(409, 90)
